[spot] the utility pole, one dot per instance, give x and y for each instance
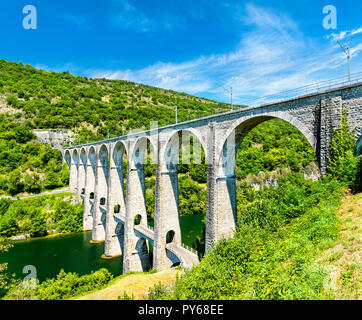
(176, 113)
(347, 51)
(231, 96)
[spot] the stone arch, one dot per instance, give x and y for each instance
(103, 159)
(67, 158)
(359, 146)
(170, 236)
(75, 158)
(92, 157)
(83, 157)
(170, 150)
(137, 219)
(119, 150)
(139, 152)
(233, 137)
(142, 251)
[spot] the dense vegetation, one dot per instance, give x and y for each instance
(280, 232)
(64, 286)
(36, 216)
(26, 165)
(93, 106)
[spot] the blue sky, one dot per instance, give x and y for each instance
(197, 47)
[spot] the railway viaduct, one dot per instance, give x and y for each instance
(116, 211)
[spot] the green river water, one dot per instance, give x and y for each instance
(74, 252)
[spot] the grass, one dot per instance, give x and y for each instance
(344, 258)
(136, 285)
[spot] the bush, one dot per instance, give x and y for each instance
(65, 285)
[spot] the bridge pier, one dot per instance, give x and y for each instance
(116, 210)
(101, 199)
(73, 173)
(89, 193)
(167, 211)
(136, 212)
(81, 176)
(221, 188)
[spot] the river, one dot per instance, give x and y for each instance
(74, 252)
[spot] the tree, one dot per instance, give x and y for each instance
(4, 277)
(342, 164)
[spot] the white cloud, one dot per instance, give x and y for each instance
(272, 56)
(344, 34)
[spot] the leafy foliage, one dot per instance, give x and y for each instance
(271, 256)
(39, 214)
(65, 285)
(342, 164)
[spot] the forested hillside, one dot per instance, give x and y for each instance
(33, 99)
(91, 106)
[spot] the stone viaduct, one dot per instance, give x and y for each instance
(116, 212)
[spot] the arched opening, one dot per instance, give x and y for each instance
(102, 201)
(359, 146)
(185, 157)
(116, 208)
(137, 220)
(142, 249)
(261, 153)
(170, 236)
(144, 171)
(119, 172)
(91, 195)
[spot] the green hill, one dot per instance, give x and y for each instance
(91, 106)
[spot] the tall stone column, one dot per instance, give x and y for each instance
(330, 114)
(100, 209)
(88, 202)
(81, 175)
(116, 209)
(221, 190)
(135, 205)
(167, 213)
(73, 172)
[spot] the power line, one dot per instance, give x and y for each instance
(347, 51)
(231, 96)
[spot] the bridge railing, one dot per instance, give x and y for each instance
(189, 248)
(308, 89)
(273, 98)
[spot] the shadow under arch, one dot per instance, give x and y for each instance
(359, 146)
(142, 250)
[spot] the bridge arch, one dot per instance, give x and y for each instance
(234, 136)
(178, 139)
(67, 158)
(142, 250)
(140, 150)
